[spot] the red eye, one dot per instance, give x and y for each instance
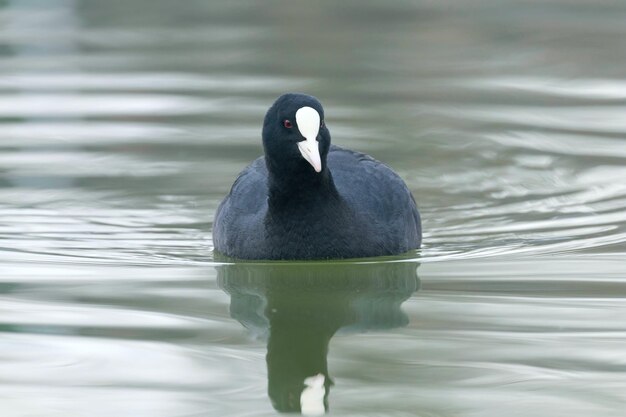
(287, 124)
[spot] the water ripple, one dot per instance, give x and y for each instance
(124, 124)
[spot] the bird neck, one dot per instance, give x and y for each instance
(300, 188)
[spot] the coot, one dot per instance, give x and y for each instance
(308, 199)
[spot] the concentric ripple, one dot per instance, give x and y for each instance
(123, 125)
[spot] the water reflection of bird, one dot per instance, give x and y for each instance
(307, 199)
(299, 307)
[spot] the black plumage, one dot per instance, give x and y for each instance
(281, 208)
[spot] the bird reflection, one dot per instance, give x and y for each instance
(297, 308)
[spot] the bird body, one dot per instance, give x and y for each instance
(282, 207)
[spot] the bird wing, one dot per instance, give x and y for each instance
(357, 175)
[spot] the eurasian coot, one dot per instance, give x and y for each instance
(307, 199)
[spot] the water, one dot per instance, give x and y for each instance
(123, 124)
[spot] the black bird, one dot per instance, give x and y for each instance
(307, 199)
